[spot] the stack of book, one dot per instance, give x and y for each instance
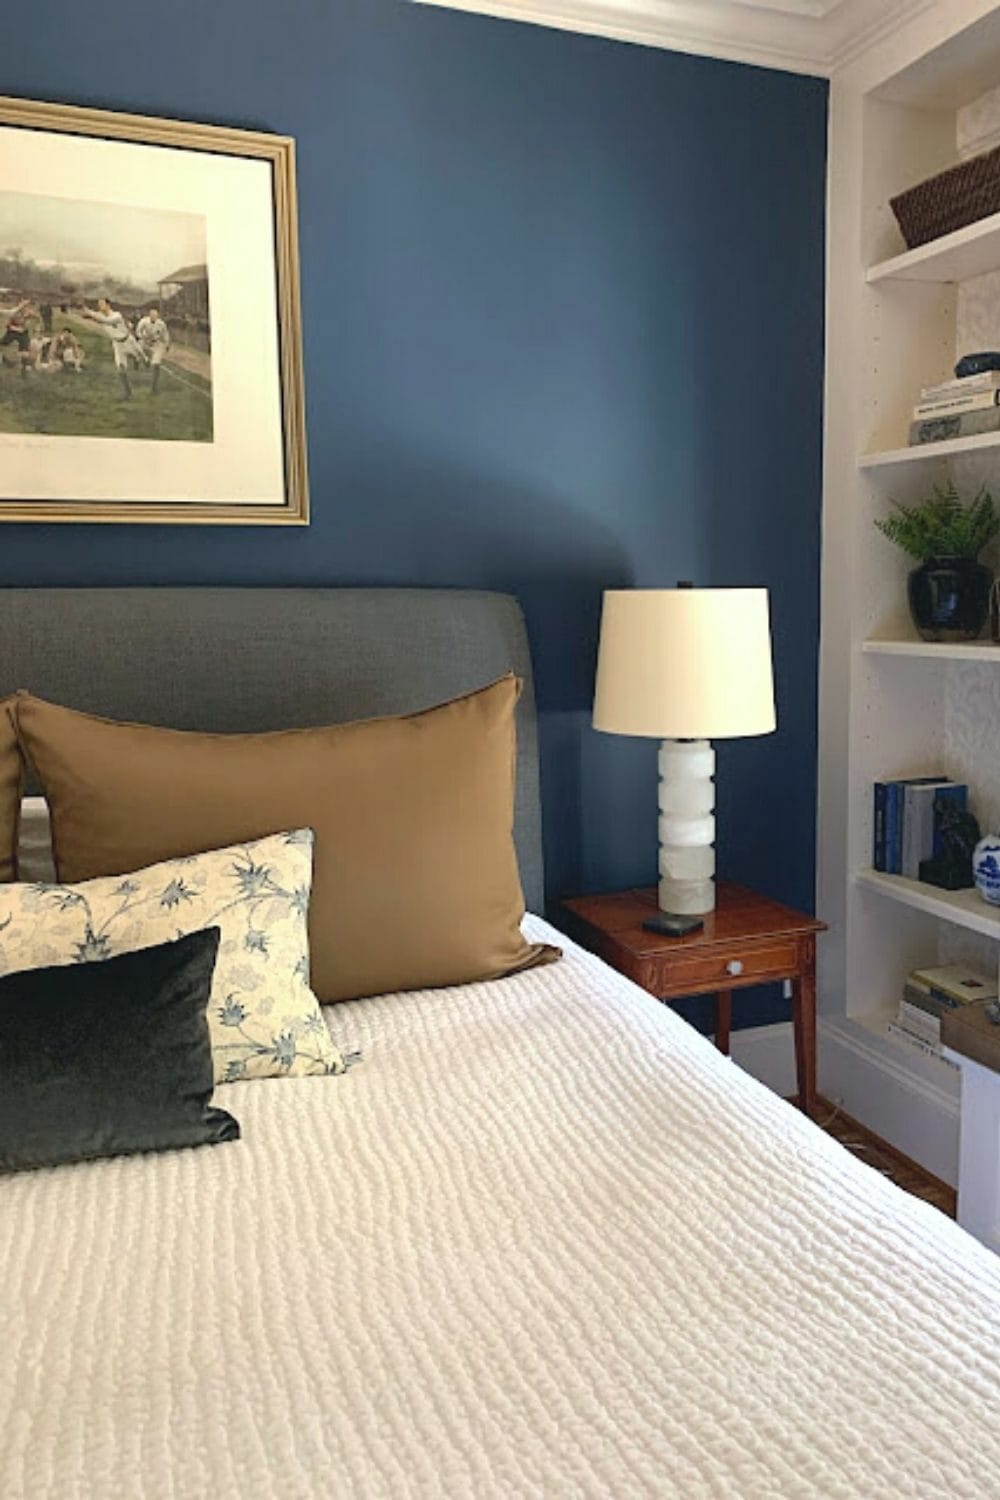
(906, 830)
(957, 408)
(929, 994)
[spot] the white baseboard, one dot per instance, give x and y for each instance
(911, 1104)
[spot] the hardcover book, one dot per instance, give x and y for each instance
(957, 983)
(922, 998)
(878, 831)
(929, 1049)
(890, 818)
(988, 380)
(943, 429)
(971, 1032)
(920, 1022)
(946, 406)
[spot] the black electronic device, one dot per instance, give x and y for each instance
(668, 925)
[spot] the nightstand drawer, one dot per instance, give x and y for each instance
(727, 969)
(747, 940)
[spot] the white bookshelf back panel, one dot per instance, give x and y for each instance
(972, 737)
(901, 147)
(887, 939)
(977, 323)
(912, 332)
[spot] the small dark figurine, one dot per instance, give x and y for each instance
(951, 870)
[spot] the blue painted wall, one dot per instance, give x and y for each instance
(563, 331)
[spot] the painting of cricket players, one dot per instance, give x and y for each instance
(151, 363)
(113, 301)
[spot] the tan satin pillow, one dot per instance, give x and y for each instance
(415, 880)
(11, 776)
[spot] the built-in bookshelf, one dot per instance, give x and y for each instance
(984, 652)
(928, 453)
(969, 252)
(964, 908)
(893, 706)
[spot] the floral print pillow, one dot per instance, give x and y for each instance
(264, 1020)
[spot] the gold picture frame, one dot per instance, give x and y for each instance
(62, 145)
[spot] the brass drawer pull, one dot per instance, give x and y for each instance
(734, 967)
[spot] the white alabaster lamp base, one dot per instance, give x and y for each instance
(687, 827)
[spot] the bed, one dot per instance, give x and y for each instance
(543, 1241)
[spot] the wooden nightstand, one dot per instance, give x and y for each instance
(747, 940)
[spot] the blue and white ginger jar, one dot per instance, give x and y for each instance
(986, 868)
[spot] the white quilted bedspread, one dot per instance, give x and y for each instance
(543, 1242)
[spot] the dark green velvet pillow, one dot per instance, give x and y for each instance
(109, 1057)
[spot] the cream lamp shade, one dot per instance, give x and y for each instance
(685, 666)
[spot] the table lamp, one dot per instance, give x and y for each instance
(685, 666)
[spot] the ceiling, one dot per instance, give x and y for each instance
(817, 8)
(801, 36)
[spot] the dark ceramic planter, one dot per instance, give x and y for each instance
(950, 598)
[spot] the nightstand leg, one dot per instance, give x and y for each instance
(804, 1024)
(723, 1019)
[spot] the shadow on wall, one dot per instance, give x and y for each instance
(452, 524)
(446, 525)
(599, 791)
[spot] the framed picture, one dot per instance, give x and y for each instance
(150, 335)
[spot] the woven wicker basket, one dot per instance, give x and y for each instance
(951, 200)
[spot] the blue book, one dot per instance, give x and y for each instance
(878, 836)
(893, 822)
(893, 828)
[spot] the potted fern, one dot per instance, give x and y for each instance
(949, 593)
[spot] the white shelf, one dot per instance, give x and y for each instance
(982, 651)
(924, 452)
(964, 908)
(968, 252)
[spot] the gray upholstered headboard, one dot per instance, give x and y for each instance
(252, 659)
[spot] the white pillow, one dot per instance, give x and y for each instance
(34, 842)
(264, 1020)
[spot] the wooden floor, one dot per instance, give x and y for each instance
(885, 1158)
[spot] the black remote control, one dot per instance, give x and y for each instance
(668, 925)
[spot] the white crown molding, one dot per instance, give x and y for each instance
(800, 36)
(818, 8)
